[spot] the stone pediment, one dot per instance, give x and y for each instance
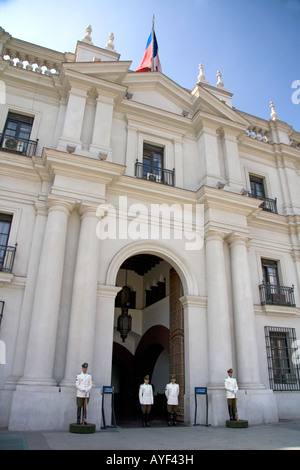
(111, 71)
(157, 90)
(212, 101)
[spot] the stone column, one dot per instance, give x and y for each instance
(244, 321)
(103, 344)
(74, 118)
(30, 289)
(131, 149)
(84, 297)
(209, 155)
(44, 320)
(102, 125)
(231, 158)
(178, 162)
(104, 333)
(218, 322)
(195, 351)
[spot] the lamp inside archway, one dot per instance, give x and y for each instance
(124, 320)
(124, 324)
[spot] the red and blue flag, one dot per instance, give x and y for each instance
(150, 61)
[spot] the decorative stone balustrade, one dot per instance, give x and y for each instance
(258, 134)
(295, 144)
(28, 62)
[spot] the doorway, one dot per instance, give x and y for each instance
(155, 346)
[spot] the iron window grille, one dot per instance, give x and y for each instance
(282, 358)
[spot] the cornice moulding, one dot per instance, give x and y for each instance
(72, 165)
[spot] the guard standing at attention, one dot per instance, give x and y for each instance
(172, 394)
(231, 388)
(83, 386)
(146, 400)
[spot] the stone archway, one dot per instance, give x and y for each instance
(187, 276)
(152, 343)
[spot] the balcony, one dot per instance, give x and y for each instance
(7, 258)
(17, 145)
(277, 295)
(269, 205)
(158, 175)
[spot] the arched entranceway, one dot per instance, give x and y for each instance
(155, 314)
(128, 370)
(155, 346)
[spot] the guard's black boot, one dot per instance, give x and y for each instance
(169, 419)
(230, 412)
(175, 419)
(143, 420)
(147, 420)
(78, 415)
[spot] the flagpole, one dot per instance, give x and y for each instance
(152, 58)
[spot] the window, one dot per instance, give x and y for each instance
(257, 187)
(271, 291)
(7, 253)
(282, 358)
(152, 167)
(5, 224)
(18, 126)
(270, 272)
(153, 162)
(16, 135)
(258, 191)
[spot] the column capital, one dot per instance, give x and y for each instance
(193, 301)
(57, 203)
(41, 208)
(88, 209)
(236, 238)
(108, 291)
(214, 234)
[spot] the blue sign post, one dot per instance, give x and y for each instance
(108, 390)
(201, 391)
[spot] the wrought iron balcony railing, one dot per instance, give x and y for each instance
(17, 145)
(268, 204)
(7, 257)
(158, 175)
(277, 295)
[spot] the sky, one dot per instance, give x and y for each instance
(254, 43)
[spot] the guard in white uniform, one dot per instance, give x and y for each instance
(231, 388)
(83, 386)
(146, 400)
(172, 394)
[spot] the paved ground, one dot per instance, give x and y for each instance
(159, 438)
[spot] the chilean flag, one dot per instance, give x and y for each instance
(150, 61)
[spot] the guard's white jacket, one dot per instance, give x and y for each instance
(146, 394)
(231, 387)
(83, 385)
(172, 393)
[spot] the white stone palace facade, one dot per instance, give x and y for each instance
(111, 179)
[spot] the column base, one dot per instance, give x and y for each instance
(44, 408)
(257, 406)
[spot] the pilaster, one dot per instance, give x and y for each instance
(44, 320)
(84, 296)
(243, 309)
(218, 322)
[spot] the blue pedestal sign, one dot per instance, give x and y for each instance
(108, 390)
(201, 391)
